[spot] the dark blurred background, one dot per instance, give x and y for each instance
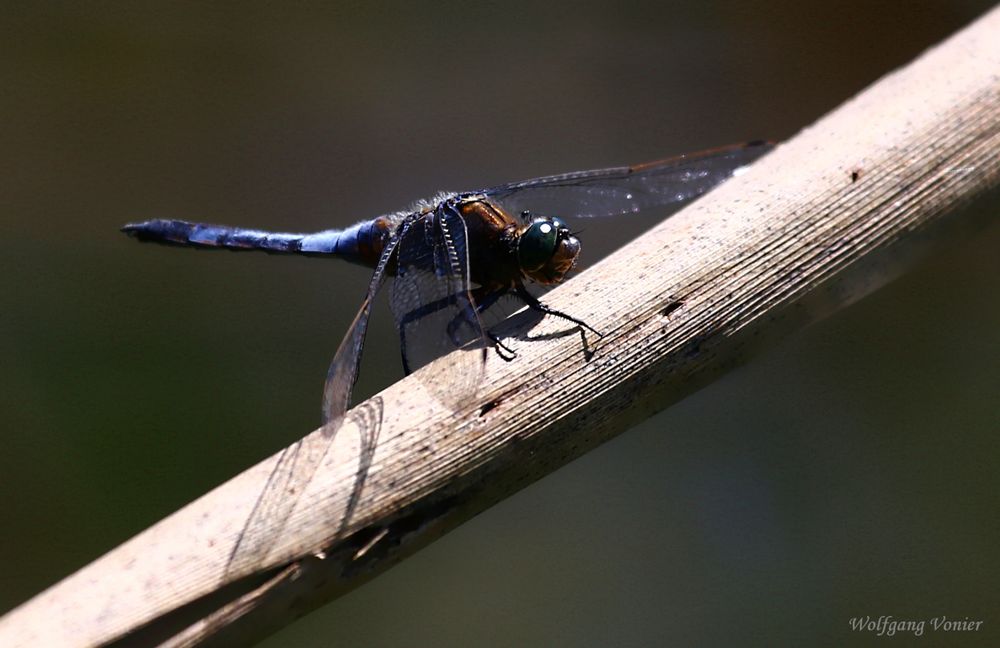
(852, 471)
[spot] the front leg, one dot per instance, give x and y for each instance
(534, 304)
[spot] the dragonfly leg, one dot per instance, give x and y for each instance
(421, 312)
(534, 304)
(402, 352)
(482, 300)
(505, 353)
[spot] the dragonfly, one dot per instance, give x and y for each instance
(454, 256)
(451, 259)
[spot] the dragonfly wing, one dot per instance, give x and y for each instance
(629, 189)
(298, 463)
(343, 371)
(433, 305)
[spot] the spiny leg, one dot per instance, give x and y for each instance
(483, 299)
(534, 304)
(424, 311)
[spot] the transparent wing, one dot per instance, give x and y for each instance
(298, 463)
(629, 189)
(343, 371)
(433, 306)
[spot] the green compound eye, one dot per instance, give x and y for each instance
(538, 244)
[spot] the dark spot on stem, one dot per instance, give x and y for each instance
(488, 407)
(670, 308)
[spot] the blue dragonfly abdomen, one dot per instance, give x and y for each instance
(360, 243)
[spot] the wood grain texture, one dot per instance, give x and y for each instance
(823, 220)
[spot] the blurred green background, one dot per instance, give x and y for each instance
(852, 471)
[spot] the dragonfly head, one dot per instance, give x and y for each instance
(546, 250)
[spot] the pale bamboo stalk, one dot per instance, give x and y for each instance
(823, 220)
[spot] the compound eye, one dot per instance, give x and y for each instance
(537, 244)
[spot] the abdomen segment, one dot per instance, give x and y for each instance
(361, 243)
